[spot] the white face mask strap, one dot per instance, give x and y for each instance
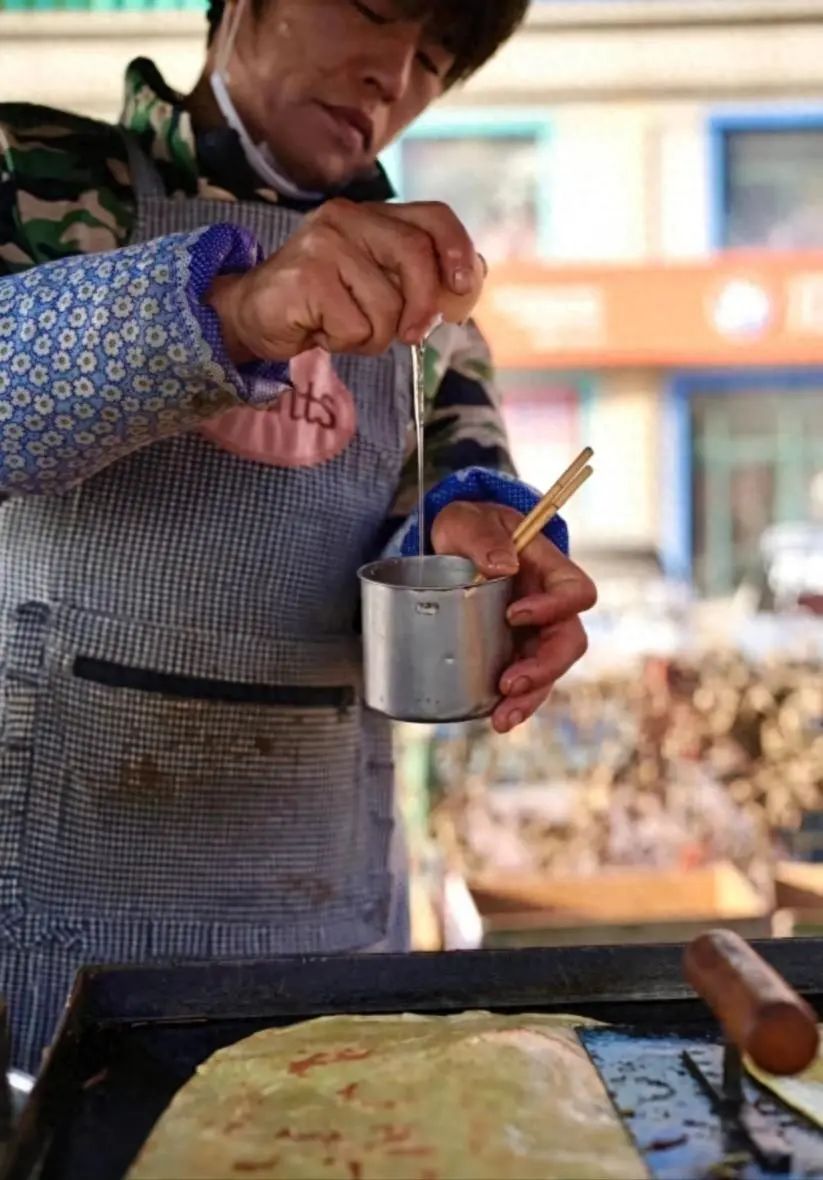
(229, 29)
(258, 155)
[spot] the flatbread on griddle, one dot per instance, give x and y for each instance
(470, 1097)
(803, 1092)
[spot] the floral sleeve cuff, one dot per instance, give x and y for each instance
(223, 250)
(101, 354)
(480, 485)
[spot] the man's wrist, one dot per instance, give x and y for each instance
(222, 298)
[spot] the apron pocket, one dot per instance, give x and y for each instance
(178, 797)
(193, 688)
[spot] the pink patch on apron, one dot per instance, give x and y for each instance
(305, 426)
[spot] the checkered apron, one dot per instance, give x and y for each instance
(186, 768)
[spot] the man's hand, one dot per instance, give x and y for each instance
(550, 593)
(354, 278)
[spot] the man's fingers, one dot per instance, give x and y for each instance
(567, 596)
(353, 278)
(528, 682)
(378, 299)
(567, 590)
(558, 649)
(471, 530)
(513, 711)
(462, 271)
(460, 264)
(551, 637)
(399, 247)
(334, 320)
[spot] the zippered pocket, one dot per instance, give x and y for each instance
(198, 688)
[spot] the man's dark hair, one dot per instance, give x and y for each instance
(472, 30)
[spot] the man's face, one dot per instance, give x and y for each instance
(329, 83)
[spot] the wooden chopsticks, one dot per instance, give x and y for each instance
(562, 490)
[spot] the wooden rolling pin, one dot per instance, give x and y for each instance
(760, 1014)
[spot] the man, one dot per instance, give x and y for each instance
(187, 771)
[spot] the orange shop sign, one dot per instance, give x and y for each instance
(742, 309)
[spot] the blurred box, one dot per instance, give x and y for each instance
(619, 906)
(799, 885)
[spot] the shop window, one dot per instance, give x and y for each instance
(491, 175)
(771, 181)
(757, 455)
(542, 418)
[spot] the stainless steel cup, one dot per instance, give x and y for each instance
(434, 645)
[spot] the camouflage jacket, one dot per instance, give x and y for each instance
(66, 192)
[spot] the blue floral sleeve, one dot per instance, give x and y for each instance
(102, 354)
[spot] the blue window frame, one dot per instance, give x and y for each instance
(736, 443)
(766, 171)
(491, 166)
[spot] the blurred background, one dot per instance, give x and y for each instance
(646, 179)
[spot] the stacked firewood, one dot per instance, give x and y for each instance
(680, 762)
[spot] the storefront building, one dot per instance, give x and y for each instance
(671, 311)
(700, 385)
(645, 178)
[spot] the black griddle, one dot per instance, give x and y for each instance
(131, 1036)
